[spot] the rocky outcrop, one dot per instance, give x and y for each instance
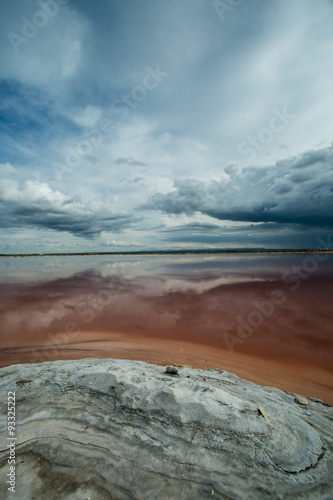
(117, 429)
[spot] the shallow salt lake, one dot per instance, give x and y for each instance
(266, 317)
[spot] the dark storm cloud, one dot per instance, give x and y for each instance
(36, 205)
(263, 235)
(293, 191)
(194, 227)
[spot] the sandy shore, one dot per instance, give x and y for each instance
(285, 373)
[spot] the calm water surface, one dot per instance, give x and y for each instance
(277, 307)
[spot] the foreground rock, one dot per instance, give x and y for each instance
(117, 429)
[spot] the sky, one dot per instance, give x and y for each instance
(131, 125)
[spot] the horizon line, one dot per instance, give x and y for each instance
(174, 252)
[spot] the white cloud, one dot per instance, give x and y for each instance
(6, 169)
(88, 117)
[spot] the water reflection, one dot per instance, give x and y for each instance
(70, 301)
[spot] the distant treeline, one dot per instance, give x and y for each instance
(175, 252)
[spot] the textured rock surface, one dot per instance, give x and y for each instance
(117, 429)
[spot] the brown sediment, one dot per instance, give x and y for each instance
(287, 374)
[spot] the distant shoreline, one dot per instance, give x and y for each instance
(175, 252)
